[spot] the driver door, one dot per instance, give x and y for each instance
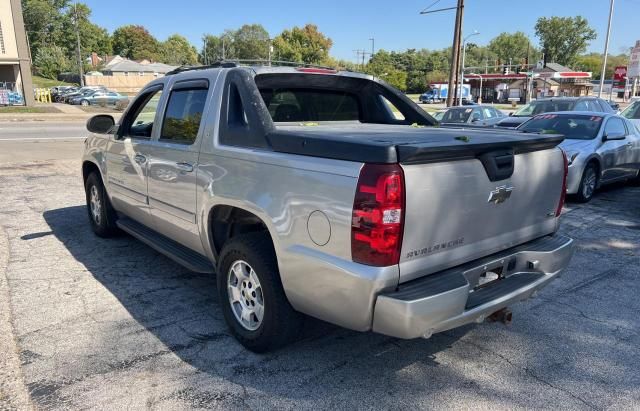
(127, 157)
(614, 152)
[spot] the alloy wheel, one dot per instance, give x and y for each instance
(245, 295)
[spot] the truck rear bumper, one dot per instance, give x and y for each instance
(451, 298)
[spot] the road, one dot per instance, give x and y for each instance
(112, 324)
(35, 140)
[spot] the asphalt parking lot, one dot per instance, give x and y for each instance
(93, 323)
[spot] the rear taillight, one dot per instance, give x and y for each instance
(378, 215)
(563, 194)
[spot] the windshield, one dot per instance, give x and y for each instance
(456, 115)
(544, 106)
(633, 111)
(573, 127)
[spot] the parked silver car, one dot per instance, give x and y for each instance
(632, 112)
(478, 116)
(601, 148)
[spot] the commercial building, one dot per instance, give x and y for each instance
(15, 62)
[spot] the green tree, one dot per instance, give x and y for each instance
(51, 61)
(382, 65)
(217, 48)
(564, 38)
(136, 43)
(93, 38)
(177, 51)
(249, 42)
(511, 46)
(43, 20)
(593, 62)
(306, 45)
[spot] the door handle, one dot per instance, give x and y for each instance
(140, 159)
(182, 166)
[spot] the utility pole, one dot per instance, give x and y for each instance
(606, 51)
(373, 46)
(455, 49)
(223, 57)
(80, 68)
(205, 50)
(455, 54)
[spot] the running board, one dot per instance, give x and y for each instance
(177, 252)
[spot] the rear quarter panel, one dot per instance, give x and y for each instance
(284, 190)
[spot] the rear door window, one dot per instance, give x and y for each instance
(183, 115)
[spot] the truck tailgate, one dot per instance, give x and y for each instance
(455, 213)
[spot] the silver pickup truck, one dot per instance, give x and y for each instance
(330, 194)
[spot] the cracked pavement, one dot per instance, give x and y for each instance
(94, 323)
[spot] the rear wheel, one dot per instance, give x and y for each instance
(102, 216)
(253, 301)
(588, 183)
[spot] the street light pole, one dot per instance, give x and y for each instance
(606, 51)
(464, 54)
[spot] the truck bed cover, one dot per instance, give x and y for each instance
(382, 143)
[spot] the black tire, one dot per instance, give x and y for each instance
(84, 103)
(280, 323)
(103, 222)
(585, 193)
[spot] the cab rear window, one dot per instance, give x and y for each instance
(301, 105)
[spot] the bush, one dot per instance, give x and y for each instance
(51, 61)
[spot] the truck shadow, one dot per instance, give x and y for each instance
(181, 309)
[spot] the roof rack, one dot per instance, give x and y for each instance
(247, 63)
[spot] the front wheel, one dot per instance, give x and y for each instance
(588, 183)
(102, 216)
(84, 103)
(253, 301)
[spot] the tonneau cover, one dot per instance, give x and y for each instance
(382, 143)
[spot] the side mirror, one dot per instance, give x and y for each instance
(100, 124)
(613, 136)
(510, 114)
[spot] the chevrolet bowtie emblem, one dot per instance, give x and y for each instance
(500, 194)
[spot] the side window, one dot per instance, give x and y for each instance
(498, 113)
(615, 126)
(183, 115)
(488, 112)
(395, 112)
(139, 122)
(477, 115)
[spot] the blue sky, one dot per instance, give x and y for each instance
(395, 25)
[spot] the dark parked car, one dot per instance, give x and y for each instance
(99, 97)
(548, 105)
(479, 116)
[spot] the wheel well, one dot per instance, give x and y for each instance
(228, 221)
(595, 162)
(87, 168)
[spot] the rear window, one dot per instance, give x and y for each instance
(457, 115)
(545, 106)
(573, 127)
(286, 105)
